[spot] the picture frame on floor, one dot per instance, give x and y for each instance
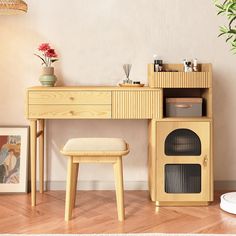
(14, 145)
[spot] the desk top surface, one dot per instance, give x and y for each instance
(68, 88)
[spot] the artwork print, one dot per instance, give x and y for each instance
(10, 159)
(14, 146)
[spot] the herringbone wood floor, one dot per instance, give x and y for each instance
(96, 213)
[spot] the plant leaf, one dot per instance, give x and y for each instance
(44, 62)
(230, 37)
(231, 21)
(54, 60)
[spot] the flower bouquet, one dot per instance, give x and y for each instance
(48, 57)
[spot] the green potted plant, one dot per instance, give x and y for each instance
(48, 57)
(228, 8)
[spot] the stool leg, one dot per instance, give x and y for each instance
(74, 177)
(69, 189)
(118, 171)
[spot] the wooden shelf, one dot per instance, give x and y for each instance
(180, 79)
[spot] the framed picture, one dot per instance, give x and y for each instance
(14, 159)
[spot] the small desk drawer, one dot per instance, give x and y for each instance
(69, 97)
(70, 111)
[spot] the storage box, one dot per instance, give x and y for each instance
(184, 107)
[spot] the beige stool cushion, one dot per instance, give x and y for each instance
(94, 144)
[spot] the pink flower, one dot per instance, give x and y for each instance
(50, 53)
(44, 47)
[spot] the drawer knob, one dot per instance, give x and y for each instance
(72, 98)
(72, 112)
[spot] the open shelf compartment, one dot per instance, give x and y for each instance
(204, 93)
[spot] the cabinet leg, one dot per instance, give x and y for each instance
(33, 151)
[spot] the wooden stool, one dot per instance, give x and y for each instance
(94, 150)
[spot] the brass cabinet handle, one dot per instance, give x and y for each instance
(72, 98)
(72, 112)
(183, 106)
(205, 161)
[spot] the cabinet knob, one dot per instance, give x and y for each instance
(72, 112)
(72, 98)
(205, 160)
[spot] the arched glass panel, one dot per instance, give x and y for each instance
(182, 142)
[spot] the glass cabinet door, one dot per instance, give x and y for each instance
(183, 161)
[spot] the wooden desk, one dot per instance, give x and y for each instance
(84, 103)
(174, 179)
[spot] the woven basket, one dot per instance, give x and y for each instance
(12, 6)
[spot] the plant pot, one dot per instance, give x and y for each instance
(47, 77)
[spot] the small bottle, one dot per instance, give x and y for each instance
(158, 64)
(195, 65)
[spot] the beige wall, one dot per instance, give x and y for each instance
(94, 38)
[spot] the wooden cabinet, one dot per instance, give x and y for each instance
(184, 162)
(180, 148)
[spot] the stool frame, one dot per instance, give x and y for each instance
(75, 158)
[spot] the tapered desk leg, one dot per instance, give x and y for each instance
(41, 157)
(33, 150)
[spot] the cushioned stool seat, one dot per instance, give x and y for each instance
(94, 150)
(95, 144)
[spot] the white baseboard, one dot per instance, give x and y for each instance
(229, 185)
(96, 185)
(128, 185)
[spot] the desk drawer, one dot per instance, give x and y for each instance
(69, 97)
(70, 111)
(137, 104)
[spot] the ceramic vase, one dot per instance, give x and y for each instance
(47, 77)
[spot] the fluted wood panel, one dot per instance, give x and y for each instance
(180, 79)
(136, 104)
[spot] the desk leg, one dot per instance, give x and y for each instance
(41, 156)
(33, 150)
